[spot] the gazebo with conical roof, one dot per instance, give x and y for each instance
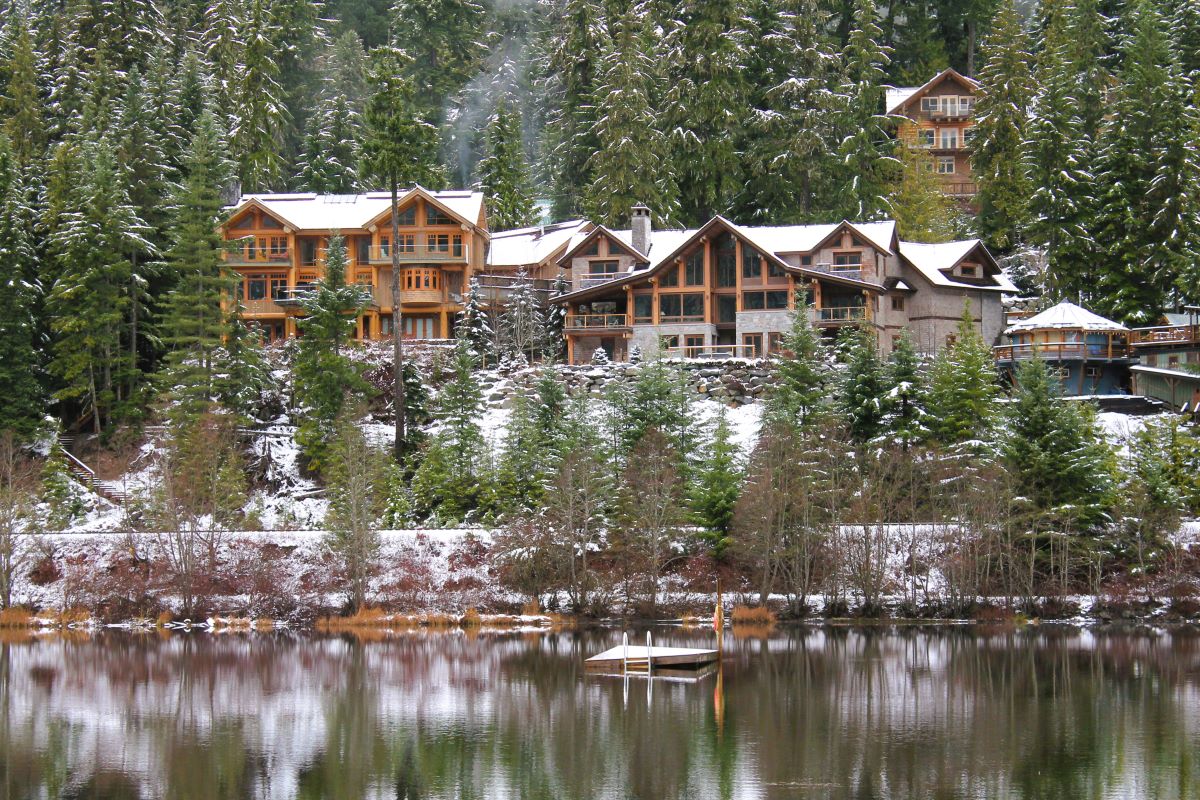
(1090, 354)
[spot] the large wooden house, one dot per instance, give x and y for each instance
(938, 117)
(728, 289)
(278, 244)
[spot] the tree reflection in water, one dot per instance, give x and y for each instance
(823, 713)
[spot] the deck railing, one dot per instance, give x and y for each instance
(1166, 334)
(838, 271)
(590, 321)
(418, 253)
(713, 351)
(240, 258)
(510, 282)
(846, 314)
(588, 281)
(1061, 351)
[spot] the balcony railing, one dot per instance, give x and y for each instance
(713, 351)
(240, 258)
(839, 271)
(509, 282)
(422, 254)
(1166, 334)
(1061, 351)
(590, 321)
(960, 189)
(588, 281)
(846, 314)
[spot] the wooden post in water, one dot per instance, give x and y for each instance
(718, 614)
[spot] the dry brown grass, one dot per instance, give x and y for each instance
(16, 617)
(163, 619)
(64, 618)
(471, 619)
(531, 609)
(756, 616)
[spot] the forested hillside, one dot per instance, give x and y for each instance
(122, 121)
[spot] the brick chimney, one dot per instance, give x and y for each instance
(640, 223)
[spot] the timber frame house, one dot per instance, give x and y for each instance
(728, 290)
(938, 117)
(278, 243)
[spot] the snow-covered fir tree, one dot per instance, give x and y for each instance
(21, 401)
(522, 322)
(475, 326)
(1001, 117)
(866, 150)
(503, 173)
(631, 165)
(330, 154)
(863, 385)
(260, 120)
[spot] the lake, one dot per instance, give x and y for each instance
(929, 712)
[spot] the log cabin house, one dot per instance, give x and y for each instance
(729, 290)
(278, 244)
(938, 117)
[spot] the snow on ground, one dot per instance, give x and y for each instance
(1119, 429)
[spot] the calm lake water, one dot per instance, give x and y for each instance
(842, 713)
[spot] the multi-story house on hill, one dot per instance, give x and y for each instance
(939, 117)
(278, 244)
(728, 289)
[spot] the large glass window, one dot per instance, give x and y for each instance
(408, 216)
(602, 268)
(643, 307)
(670, 305)
(695, 269)
(670, 276)
(435, 216)
(726, 308)
(726, 262)
(753, 301)
(777, 300)
(851, 259)
(693, 305)
(256, 287)
(751, 264)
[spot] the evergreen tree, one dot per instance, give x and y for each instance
(555, 339)
(573, 66)
(923, 212)
(1149, 166)
(657, 400)
(524, 466)
(21, 103)
(503, 173)
(194, 321)
(327, 379)
(905, 422)
(963, 387)
(1058, 458)
(399, 148)
(863, 385)
(522, 322)
(866, 151)
(716, 488)
(357, 499)
(1001, 116)
(914, 37)
(330, 154)
(245, 376)
(92, 244)
(442, 40)
(453, 483)
(21, 401)
(261, 119)
(798, 394)
(794, 139)
(474, 325)
(704, 105)
(631, 163)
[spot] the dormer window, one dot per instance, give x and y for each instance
(967, 270)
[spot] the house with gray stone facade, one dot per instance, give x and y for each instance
(729, 290)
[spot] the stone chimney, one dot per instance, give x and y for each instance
(640, 223)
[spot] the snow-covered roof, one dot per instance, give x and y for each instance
(663, 241)
(898, 96)
(307, 211)
(933, 261)
(524, 246)
(1068, 316)
(804, 238)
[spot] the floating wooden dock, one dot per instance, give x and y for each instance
(632, 658)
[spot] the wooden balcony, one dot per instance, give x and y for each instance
(836, 316)
(596, 323)
(422, 254)
(1165, 335)
(239, 258)
(838, 271)
(1063, 351)
(960, 188)
(260, 308)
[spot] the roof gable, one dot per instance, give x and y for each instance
(899, 98)
(934, 262)
(594, 234)
(429, 197)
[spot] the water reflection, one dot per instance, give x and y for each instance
(834, 713)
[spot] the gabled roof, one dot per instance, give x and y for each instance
(934, 261)
(305, 211)
(523, 246)
(806, 238)
(899, 97)
(581, 239)
(1066, 316)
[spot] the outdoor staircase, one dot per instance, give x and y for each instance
(109, 490)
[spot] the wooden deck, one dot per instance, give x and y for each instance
(677, 657)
